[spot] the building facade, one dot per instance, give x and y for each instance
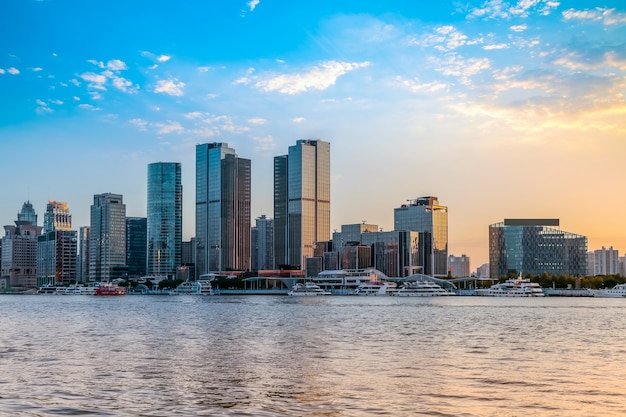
(165, 219)
(57, 247)
(535, 246)
(603, 262)
(394, 253)
(82, 257)
(19, 249)
(263, 244)
(426, 216)
(107, 237)
(459, 266)
(136, 246)
(301, 201)
(223, 217)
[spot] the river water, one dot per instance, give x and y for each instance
(323, 356)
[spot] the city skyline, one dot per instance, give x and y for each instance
(501, 109)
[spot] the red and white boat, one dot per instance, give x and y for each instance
(108, 289)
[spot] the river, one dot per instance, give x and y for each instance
(304, 356)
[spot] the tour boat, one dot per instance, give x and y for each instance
(517, 287)
(108, 289)
(376, 288)
(202, 287)
(617, 291)
(422, 289)
(307, 289)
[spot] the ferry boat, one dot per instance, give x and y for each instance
(617, 291)
(307, 289)
(376, 288)
(201, 287)
(110, 290)
(422, 289)
(346, 281)
(515, 287)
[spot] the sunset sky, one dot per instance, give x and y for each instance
(501, 109)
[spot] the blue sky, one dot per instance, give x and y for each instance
(500, 108)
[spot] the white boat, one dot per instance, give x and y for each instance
(73, 290)
(517, 287)
(346, 281)
(422, 289)
(376, 288)
(202, 287)
(308, 289)
(51, 289)
(617, 291)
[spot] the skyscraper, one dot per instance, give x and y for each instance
(107, 236)
(223, 193)
(263, 244)
(165, 218)
(136, 246)
(19, 249)
(426, 216)
(57, 247)
(301, 201)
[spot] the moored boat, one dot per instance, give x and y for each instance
(422, 289)
(307, 289)
(110, 290)
(517, 287)
(618, 291)
(376, 288)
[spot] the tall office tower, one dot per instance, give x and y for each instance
(426, 216)
(57, 247)
(263, 244)
(27, 215)
(136, 245)
(165, 218)
(107, 236)
(301, 201)
(459, 266)
(223, 193)
(19, 249)
(605, 261)
(535, 246)
(82, 258)
(57, 217)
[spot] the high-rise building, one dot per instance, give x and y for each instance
(426, 216)
(107, 237)
(223, 194)
(19, 249)
(57, 247)
(603, 262)
(57, 217)
(82, 258)
(535, 246)
(263, 244)
(459, 266)
(136, 246)
(165, 218)
(301, 201)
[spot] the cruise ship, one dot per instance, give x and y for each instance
(515, 287)
(347, 281)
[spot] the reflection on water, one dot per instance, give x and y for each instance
(322, 356)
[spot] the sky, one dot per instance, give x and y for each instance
(501, 109)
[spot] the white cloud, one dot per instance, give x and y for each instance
(415, 86)
(252, 4)
(96, 81)
(318, 78)
(13, 71)
(444, 38)
(497, 46)
(76, 98)
(204, 69)
(163, 58)
(116, 65)
(37, 69)
(99, 64)
(499, 9)
(171, 87)
(604, 15)
(1, 71)
(264, 144)
(89, 107)
(298, 119)
(123, 84)
(257, 121)
(518, 28)
(43, 107)
(169, 127)
(139, 123)
(456, 66)
(194, 115)
(41, 103)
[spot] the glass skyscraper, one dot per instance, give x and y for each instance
(301, 201)
(535, 246)
(223, 217)
(107, 236)
(426, 216)
(164, 219)
(136, 246)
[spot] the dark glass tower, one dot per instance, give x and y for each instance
(165, 218)
(223, 194)
(136, 246)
